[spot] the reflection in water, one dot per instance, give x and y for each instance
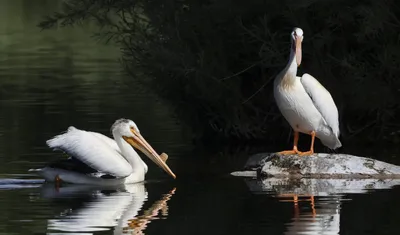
(10, 184)
(322, 216)
(108, 207)
(139, 224)
(317, 202)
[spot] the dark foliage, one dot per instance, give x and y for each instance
(215, 60)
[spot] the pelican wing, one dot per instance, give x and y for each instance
(322, 100)
(108, 141)
(93, 149)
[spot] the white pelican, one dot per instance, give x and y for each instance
(305, 103)
(97, 159)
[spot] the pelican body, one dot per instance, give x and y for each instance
(100, 160)
(305, 103)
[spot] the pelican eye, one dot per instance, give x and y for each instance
(133, 129)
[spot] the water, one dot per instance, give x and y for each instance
(53, 79)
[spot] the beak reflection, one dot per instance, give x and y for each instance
(138, 142)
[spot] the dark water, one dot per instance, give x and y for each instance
(52, 79)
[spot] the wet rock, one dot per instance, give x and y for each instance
(319, 166)
(317, 187)
(245, 173)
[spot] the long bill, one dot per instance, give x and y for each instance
(298, 41)
(138, 142)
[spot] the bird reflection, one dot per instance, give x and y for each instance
(109, 207)
(316, 202)
(299, 198)
(315, 217)
(138, 225)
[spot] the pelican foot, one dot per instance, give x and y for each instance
(290, 152)
(308, 153)
(57, 181)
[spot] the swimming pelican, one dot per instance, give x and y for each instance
(100, 160)
(305, 103)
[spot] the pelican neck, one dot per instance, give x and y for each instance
(291, 67)
(128, 152)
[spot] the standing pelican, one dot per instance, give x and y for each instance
(97, 159)
(305, 103)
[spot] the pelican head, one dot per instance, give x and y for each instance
(129, 131)
(297, 39)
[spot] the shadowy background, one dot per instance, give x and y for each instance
(214, 62)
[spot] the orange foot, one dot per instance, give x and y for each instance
(57, 181)
(306, 153)
(290, 152)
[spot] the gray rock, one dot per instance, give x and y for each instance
(317, 187)
(318, 166)
(245, 173)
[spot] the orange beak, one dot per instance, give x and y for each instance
(138, 142)
(298, 41)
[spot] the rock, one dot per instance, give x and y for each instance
(318, 166)
(245, 173)
(317, 187)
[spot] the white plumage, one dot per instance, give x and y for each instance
(305, 103)
(323, 101)
(93, 150)
(98, 159)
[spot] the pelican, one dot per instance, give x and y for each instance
(305, 103)
(99, 160)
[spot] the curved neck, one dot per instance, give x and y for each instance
(288, 74)
(128, 152)
(291, 67)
